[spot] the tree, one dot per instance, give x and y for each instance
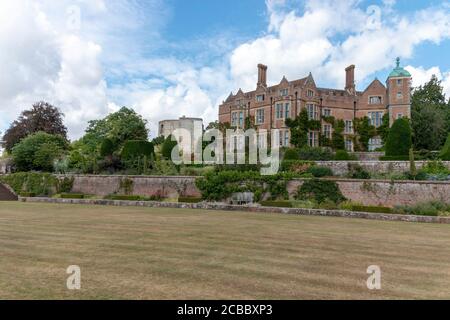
(383, 130)
(117, 127)
(445, 152)
(337, 141)
(365, 132)
(167, 147)
(399, 140)
(299, 129)
(41, 117)
(430, 114)
(38, 151)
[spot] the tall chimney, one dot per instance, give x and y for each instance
(350, 78)
(262, 75)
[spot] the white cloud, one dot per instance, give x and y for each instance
(330, 35)
(420, 76)
(106, 63)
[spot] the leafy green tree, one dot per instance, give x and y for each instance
(383, 130)
(299, 129)
(430, 114)
(445, 152)
(41, 117)
(399, 140)
(38, 151)
(365, 132)
(167, 147)
(117, 127)
(337, 141)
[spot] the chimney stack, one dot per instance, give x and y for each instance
(350, 79)
(262, 75)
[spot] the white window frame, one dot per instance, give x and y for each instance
(327, 131)
(287, 110)
(234, 118)
(312, 114)
(348, 126)
(260, 98)
(326, 112)
(376, 122)
(310, 93)
(348, 144)
(259, 116)
(279, 111)
(378, 101)
(313, 139)
(284, 92)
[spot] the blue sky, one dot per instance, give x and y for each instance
(167, 58)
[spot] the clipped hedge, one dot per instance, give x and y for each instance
(445, 152)
(123, 197)
(320, 191)
(319, 172)
(277, 204)
(189, 199)
(133, 149)
(372, 209)
(27, 194)
(72, 196)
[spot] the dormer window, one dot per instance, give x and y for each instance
(310, 93)
(260, 98)
(284, 92)
(375, 100)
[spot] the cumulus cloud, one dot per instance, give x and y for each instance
(329, 35)
(109, 60)
(420, 76)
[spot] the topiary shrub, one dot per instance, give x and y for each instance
(320, 191)
(167, 147)
(133, 149)
(277, 204)
(291, 154)
(107, 148)
(317, 154)
(342, 155)
(318, 171)
(399, 140)
(355, 171)
(72, 196)
(445, 152)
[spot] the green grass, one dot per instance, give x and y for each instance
(146, 253)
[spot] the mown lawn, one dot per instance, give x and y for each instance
(143, 253)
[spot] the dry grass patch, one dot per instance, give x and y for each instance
(149, 253)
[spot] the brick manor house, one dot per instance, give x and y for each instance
(270, 106)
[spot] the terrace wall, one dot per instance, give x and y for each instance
(341, 167)
(368, 192)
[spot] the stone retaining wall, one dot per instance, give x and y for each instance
(341, 167)
(166, 187)
(368, 192)
(216, 206)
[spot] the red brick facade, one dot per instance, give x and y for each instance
(270, 106)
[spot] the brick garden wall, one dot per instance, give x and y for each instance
(367, 192)
(341, 167)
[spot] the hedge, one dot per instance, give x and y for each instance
(277, 204)
(372, 209)
(72, 196)
(137, 148)
(189, 199)
(399, 140)
(40, 184)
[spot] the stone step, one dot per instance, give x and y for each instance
(6, 194)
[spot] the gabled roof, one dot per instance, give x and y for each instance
(373, 83)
